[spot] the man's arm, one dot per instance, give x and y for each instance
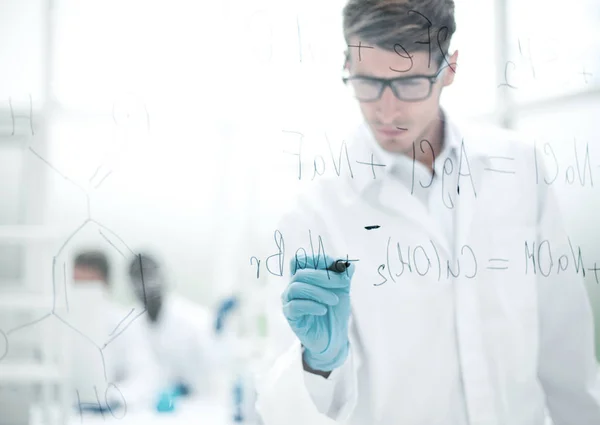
(568, 369)
(290, 391)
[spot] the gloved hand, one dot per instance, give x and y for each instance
(166, 402)
(316, 304)
(168, 397)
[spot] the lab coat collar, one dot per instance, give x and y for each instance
(456, 135)
(468, 146)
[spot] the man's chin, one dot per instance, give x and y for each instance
(399, 145)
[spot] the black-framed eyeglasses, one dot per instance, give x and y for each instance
(408, 89)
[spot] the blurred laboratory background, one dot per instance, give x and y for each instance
(148, 147)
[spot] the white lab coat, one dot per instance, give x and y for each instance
(526, 341)
(183, 345)
(123, 370)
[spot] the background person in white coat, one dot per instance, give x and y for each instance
(448, 317)
(125, 370)
(178, 331)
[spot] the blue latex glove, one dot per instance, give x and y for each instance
(166, 402)
(316, 304)
(168, 397)
(225, 308)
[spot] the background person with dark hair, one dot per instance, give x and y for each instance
(178, 331)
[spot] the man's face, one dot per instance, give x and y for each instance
(84, 273)
(396, 124)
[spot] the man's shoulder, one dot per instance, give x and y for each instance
(492, 141)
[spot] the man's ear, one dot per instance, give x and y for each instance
(450, 69)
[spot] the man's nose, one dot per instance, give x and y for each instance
(388, 105)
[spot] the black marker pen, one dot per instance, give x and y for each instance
(339, 266)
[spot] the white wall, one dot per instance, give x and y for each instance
(21, 50)
(21, 76)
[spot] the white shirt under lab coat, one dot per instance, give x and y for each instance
(524, 339)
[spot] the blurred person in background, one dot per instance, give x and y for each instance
(179, 332)
(125, 361)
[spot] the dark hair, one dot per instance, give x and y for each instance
(142, 265)
(411, 24)
(96, 260)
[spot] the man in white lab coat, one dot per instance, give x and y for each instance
(179, 332)
(463, 302)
